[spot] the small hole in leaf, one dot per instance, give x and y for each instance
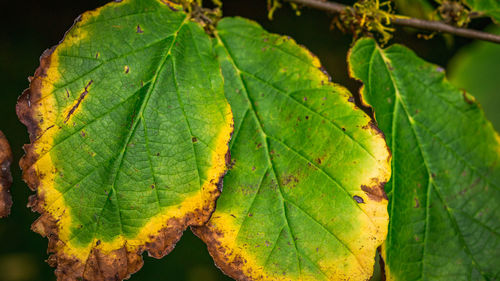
(358, 199)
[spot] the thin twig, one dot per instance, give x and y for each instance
(409, 22)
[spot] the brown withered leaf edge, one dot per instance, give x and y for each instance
(119, 264)
(5, 176)
(223, 257)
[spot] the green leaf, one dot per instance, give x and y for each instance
(475, 69)
(304, 199)
(129, 130)
(489, 7)
(5, 176)
(444, 191)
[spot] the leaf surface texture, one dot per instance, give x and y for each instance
(304, 198)
(129, 132)
(444, 190)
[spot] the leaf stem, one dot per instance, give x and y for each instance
(436, 26)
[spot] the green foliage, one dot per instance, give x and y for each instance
(131, 116)
(444, 190)
(489, 7)
(304, 197)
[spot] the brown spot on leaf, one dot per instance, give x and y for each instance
(417, 203)
(138, 29)
(375, 192)
(326, 73)
(371, 125)
(231, 164)
(468, 98)
(126, 69)
(290, 180)
(5, 176)
(79, 101)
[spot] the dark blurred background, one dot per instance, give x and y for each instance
(29, 27)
